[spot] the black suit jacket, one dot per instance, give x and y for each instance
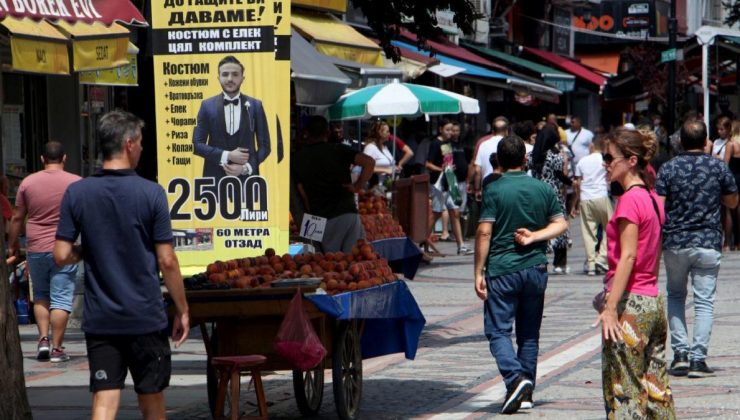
(210, 138)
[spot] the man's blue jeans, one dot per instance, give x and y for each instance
(703, 266)
(517, 296)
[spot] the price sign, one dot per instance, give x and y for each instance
(312, 227)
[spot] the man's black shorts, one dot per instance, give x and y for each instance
(147, 356)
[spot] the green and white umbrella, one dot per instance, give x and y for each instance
(400, 99)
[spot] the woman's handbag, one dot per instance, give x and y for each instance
(600, 298)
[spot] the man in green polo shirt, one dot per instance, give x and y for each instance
(519, 215)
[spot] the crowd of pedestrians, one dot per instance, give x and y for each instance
(631, 216)
(520, 185)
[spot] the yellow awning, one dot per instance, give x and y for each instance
(330, 5)
(333, 37)
(96, 46)
(411, 68)
(36, 47)
(126, 75)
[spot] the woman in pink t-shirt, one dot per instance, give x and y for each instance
(634, 327)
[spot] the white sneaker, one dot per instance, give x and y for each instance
(463, 250)
(560, 270)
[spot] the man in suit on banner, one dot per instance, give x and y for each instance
(231, 132)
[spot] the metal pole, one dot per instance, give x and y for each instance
(705, 81)
(671, 111)
(393, 170)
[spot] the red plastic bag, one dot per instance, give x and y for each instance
(296, 340)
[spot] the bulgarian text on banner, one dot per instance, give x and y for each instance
(222, 88)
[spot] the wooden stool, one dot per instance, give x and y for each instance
(229, 369)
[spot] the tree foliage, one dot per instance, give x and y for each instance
(733, 12)
(654, 78)
(386, 17)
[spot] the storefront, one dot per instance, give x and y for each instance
(53, 82)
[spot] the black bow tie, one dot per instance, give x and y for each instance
(234, 102)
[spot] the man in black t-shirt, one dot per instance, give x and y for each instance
(445, 151)
(322, 176)
(337, 136)
(126, 232)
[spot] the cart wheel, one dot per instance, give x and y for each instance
(347, 371)
(308, 388)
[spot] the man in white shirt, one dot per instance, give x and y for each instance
(592, 198)
(579, 139)
(486, 147)
(231, 132)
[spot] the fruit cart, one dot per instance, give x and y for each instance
(353, 325)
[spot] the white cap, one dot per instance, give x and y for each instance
(629, 126)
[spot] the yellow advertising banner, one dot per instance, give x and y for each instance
(126, 75)
(38, 56)
(328, 5)
(222, 89)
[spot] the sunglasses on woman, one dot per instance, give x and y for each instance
(608, 158)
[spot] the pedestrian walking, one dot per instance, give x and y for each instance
(499, 128)
(519, 215)
(694, 186)
(579, 139)
(719, 150)
(441, 156)
(634, 378)
(124, 223)
(484, 149)
(547, 164)
(38, 199)
(732, 157)
(322, 176)
(592, 201)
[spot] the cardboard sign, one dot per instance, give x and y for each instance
(312, 227)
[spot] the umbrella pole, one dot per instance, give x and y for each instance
(359, 133)
(393, 168)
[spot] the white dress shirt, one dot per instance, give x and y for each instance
(232, 118)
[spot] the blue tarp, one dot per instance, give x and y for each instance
(402, 254)
(393, 320)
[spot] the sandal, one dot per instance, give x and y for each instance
(426, 258)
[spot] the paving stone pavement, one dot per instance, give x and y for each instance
(453, 376)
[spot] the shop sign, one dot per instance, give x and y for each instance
(106, 11)
(625, 18)
(96, 97)
(39, 56)
(224, 164)
(564, 85)
(639, 9)
(561, 33)
(126, 75)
